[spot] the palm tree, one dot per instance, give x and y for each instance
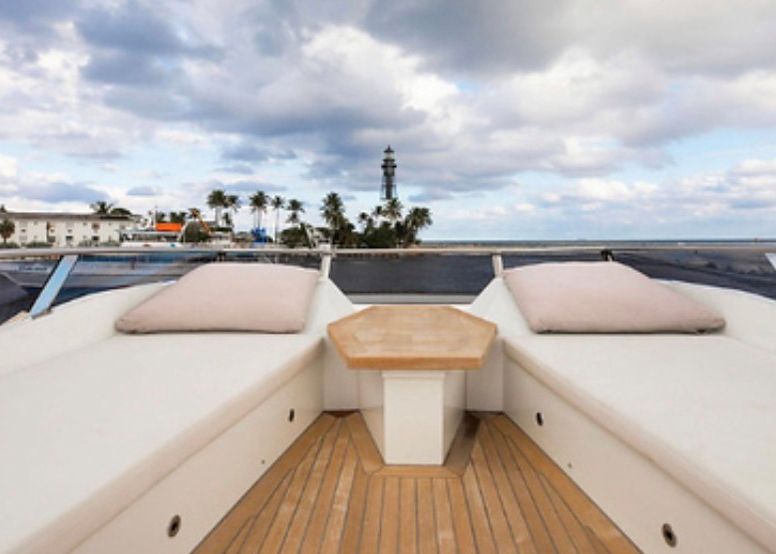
(417, 219)
(258, 202)
(392, 210)
(101, 207)
(233, 204)
(277, 204)
(333, 213)
(7, 228)
(194, 213)
(294, 207)
(333, 210)
(217, 201)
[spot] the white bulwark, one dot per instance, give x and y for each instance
(60, 229)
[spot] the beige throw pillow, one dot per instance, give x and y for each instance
(265, 298)
(603, 297)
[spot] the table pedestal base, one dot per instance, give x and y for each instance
(413, 415)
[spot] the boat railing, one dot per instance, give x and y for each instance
(64, 260)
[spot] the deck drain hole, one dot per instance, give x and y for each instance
(174, 526)
(539, 418)
(291, 414)
(668, 535)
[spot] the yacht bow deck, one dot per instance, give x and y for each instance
(498, 492)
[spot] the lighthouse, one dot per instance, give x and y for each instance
(388, 190)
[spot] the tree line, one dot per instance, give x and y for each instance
(386, 226)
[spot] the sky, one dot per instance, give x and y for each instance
(511, 119)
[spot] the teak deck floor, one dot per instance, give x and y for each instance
(497, 492)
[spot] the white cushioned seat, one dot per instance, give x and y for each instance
(702, 407)
(93, 429)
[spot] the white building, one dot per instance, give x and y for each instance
(66, 229)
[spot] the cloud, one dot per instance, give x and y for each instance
(490, 36)
(56, 192)
(34, 17)
(243, 169)
(246, 152)
(125, 69)
(141, 29)
(240, 186)
(250, 186)
(700, 197)
(9, 169)
(700, 205)
(144, 190)
(430, 195)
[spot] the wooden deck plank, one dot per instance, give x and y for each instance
(595, 541)
(426, 518)
(502, 533)
(408, 517)
(444, 518)
(512, 510)
(480, 522)
(557, 531)
(368, 453)
(389, 525)
(574, 529)
(464, 536)
(351, 535)
(431, 472)
(373, 513)
(339, 506)
(238, 541)
(263, 520)
(323, 505)
(533, 518)
(498, 492)
(288, 507)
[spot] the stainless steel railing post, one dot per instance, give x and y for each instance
(498, 264)
(326, 256)
(53, 285)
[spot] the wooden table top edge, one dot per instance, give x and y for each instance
(411, 360)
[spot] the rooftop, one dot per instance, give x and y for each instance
(63, 216)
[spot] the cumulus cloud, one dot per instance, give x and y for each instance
(241, 186)
(57, 192)
(242, 169)
(696, 205)
(144, 190)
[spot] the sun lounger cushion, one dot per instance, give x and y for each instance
(264, 298)
(701, 407)
(603, 297)
(85, 434)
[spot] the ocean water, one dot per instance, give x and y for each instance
(745, 268)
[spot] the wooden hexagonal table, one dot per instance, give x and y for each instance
(415, 401)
